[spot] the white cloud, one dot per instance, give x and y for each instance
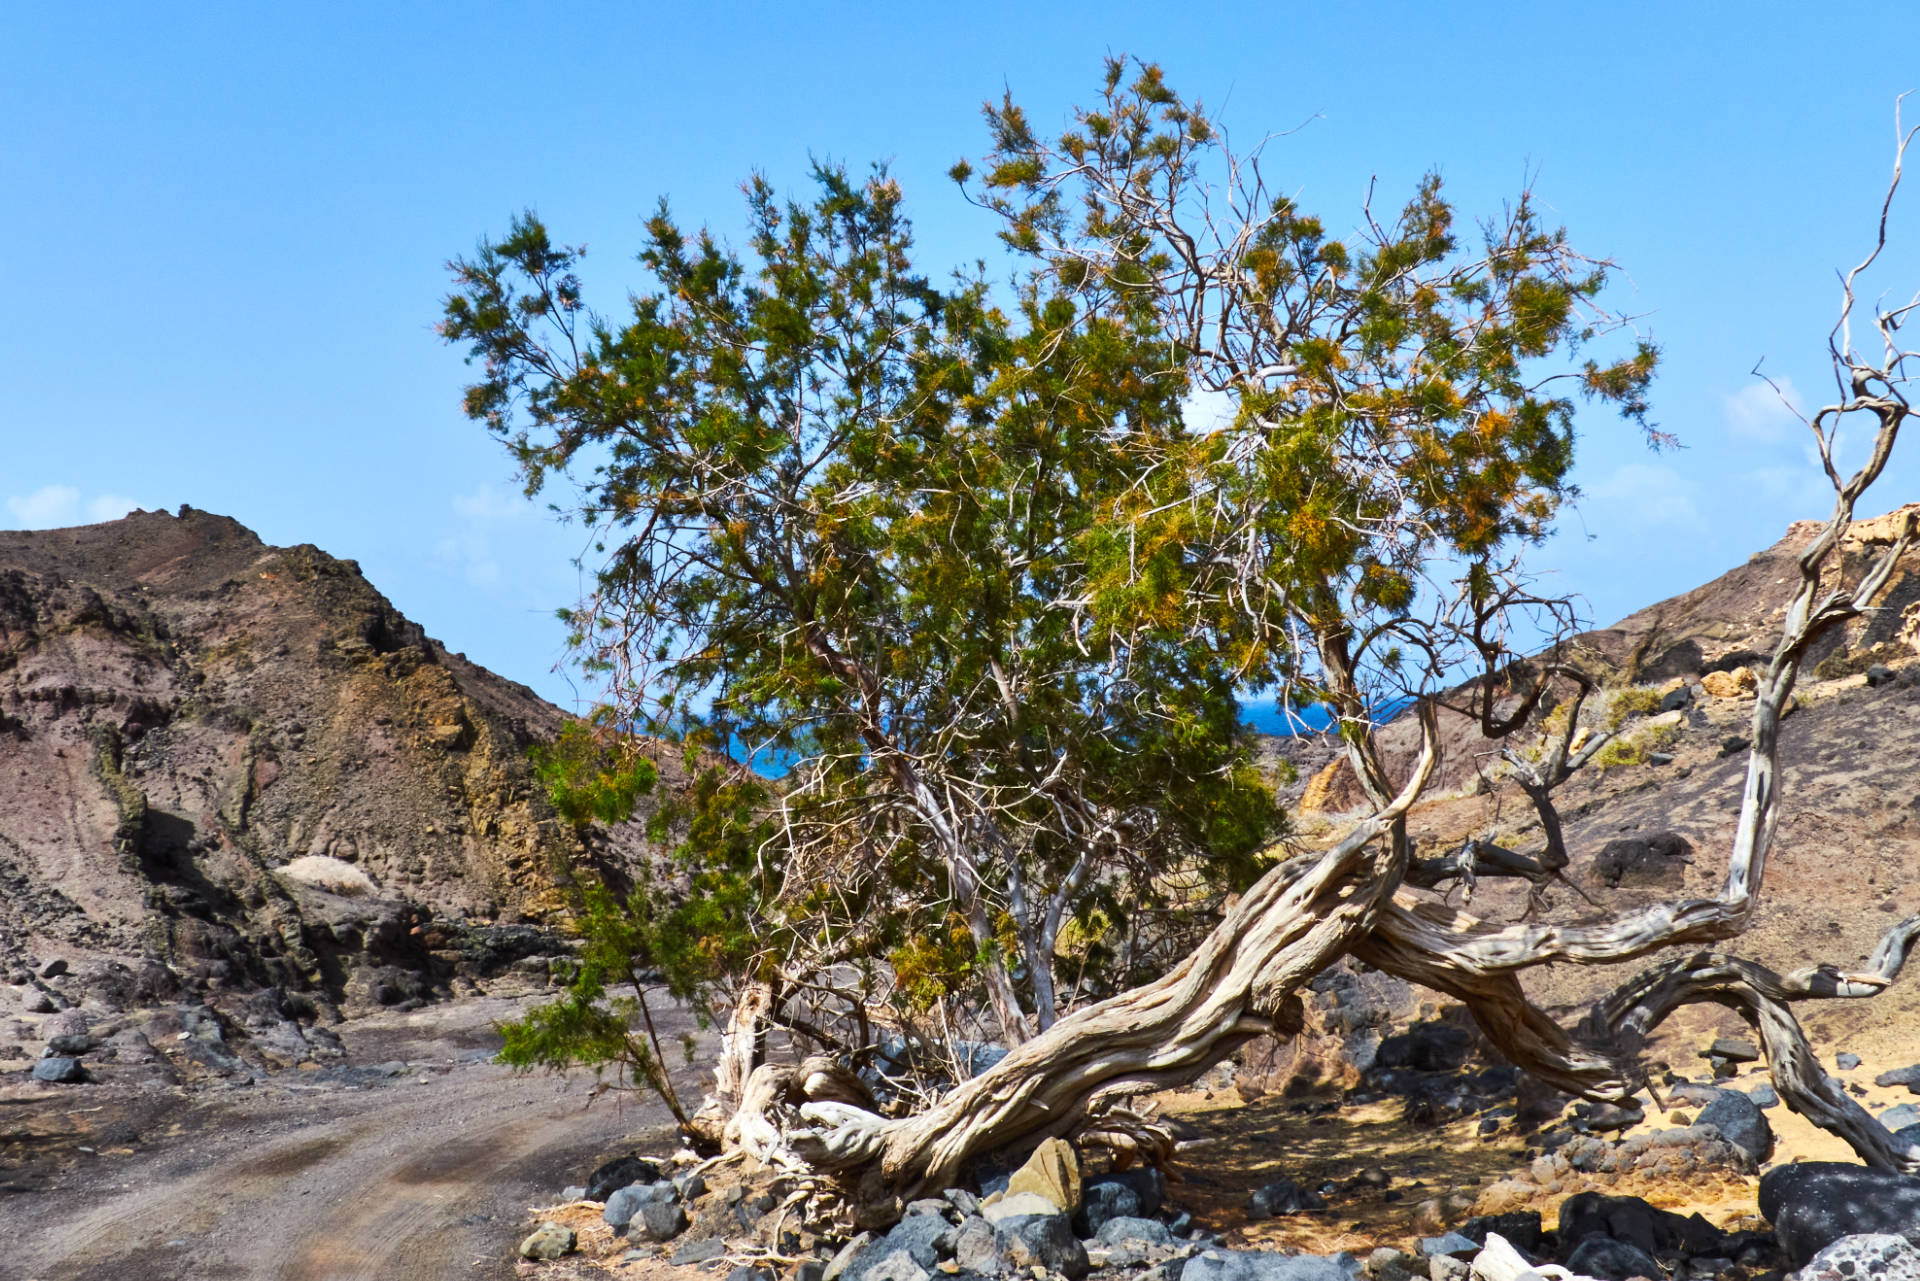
(49, 507)
(1763, 413)
(1206, 411)
(59, 506)
(109, 507)
(1643, 496)
(469, 548)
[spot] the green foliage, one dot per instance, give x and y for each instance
(1635, 700)
(587, 1026)
(959, 555)
(1633, 748)
(588, 776)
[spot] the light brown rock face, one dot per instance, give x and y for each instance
(1052, 1172)
(187, 713)
(1738, 683)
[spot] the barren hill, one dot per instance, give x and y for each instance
(240, 761)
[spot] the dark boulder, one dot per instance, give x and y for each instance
(1602, 1256)
(1658, 861)
(1815, 1203)
(663, 1220)
(1045, 1241)
(1738, 1117)
(59, 1069)
(1521, 1227)
(1283, 1197)
(1426, 1047)
(1631, 1220)
(617, 1174)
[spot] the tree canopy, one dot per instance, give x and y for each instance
(966, 555)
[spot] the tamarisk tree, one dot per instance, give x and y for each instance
(1400, 426)
(843, 513)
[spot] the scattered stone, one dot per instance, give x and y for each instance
(1017, 1204)
(1676, 699)
(625, 1204)
(1283, 1197)
(1053, 1172)
(897, 1266)
(1611, 1116)
(1733, 1050)
(842, 1259)
(745, 1273)
(53, 969)
(1846, 1061)
(1436, 1214)
(1602, 1256)
(1739, 1118)
(1264, 1265)
(1444, 1267)
(573, 1192)
(977, 1248)
(1105, 1200)
(663, 1220)
(72, 1044)
(707, 1249)
(691, 1187)
(1045, 1241)
(929, 1238)
(1900, 1116)
(38, 1002)
(929, 1205)
(1881, 1256)
(1879, 674)
(59, 1070)
(962, 1200)
(1151, 1231)
(1389, 1264)
(1907, 1076)
(619, 1173)
(1457, 1244)
(1815, 1203)
(1656, 861)
(548, 1241)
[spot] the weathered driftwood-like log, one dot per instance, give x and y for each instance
(1307, 913)
(1239, 983)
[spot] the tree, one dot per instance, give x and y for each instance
(1402, 429)
(846, 518)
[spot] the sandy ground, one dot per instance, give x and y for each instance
(425, 1176)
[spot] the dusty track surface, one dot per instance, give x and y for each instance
(425, 1176)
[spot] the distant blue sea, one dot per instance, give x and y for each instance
(1264, 716)
(1268, 717)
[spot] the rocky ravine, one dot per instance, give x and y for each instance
(229, 765)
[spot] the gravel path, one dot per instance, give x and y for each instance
(427, 1175)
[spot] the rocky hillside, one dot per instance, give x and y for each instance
(226, 763)
(1656, 819)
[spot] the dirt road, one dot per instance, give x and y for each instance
(427, 1174)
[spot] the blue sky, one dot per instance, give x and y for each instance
(225, 228)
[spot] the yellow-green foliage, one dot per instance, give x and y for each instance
(1632, 749)
(1623, 703)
